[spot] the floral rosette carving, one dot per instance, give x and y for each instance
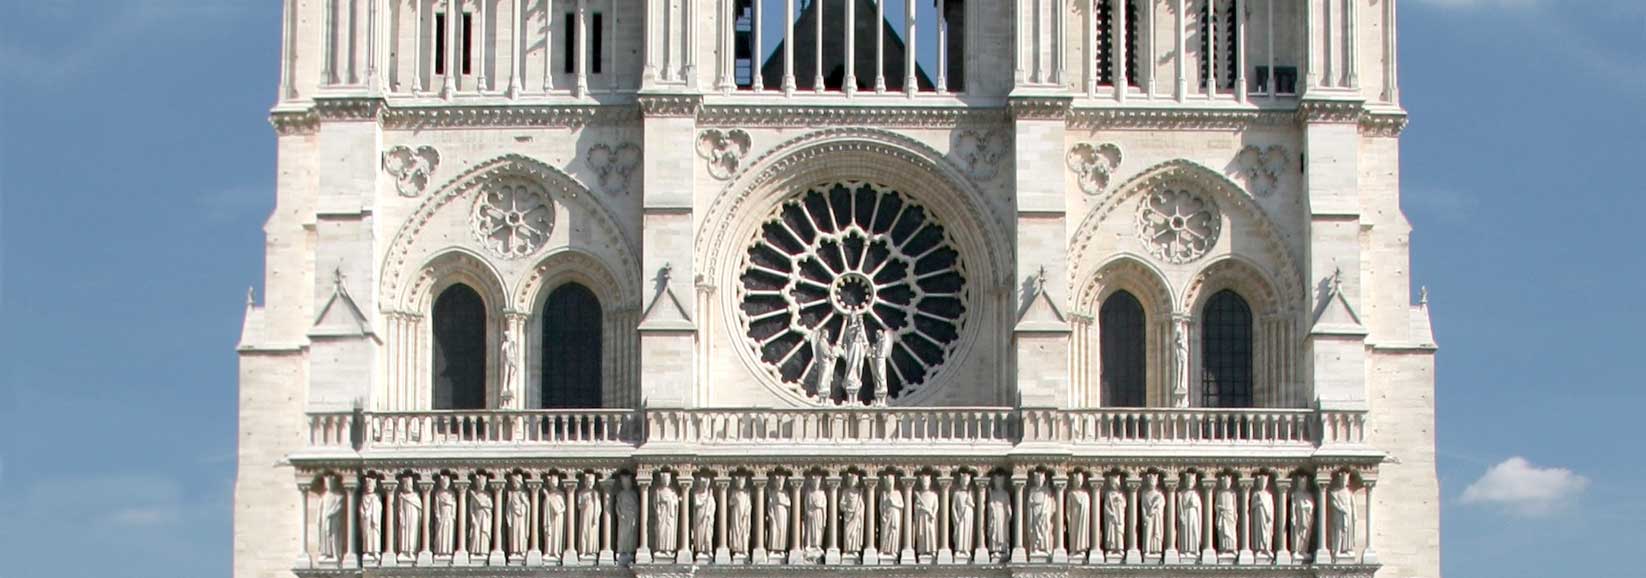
(1178, 226)
(512, 217)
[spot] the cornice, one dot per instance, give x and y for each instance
(1383, 124)
(669, 105)
(1316, 111)
(1030, 570)
(793, 115)
(1178, 119)
(1040, 107)
(557, 116)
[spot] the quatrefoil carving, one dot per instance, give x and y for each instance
(1262, 168)
(724, 150)
(1093, 165)
(613, 165)
(411, 168)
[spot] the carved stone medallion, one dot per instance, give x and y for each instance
(1177, 225)
(613, 164)
(411, 168)
(1093, 165)
(724, 150)
(512, 217)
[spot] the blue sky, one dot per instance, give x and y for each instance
(136, 169)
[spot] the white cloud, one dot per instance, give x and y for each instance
(1521, 488)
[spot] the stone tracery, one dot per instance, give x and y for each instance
(1178, 225)
(513, 217)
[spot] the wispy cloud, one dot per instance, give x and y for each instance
(1518, 487)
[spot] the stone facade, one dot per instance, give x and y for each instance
(841, 322)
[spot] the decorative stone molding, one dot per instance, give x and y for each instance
(289, 123)
(561, 116)
(982, 151)
(1040, 108)
(1262, 168)
(1178, 119)
(349, 109)
(1178, 225)
(669, 105)
(1093, 164)
(411, 168)
(1330, 111)
(1383, 124)
(724, 150)
(780, 115)
(613, 165)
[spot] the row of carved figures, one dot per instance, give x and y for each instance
(442, 518)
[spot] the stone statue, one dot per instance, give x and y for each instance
(891, 515)
(371, 519)
(331, 519)
(851, 514)
(1042, 507)
(480, 517)
(511, 366)
(857, 348)
(826, 355)
(1154, 516)
(1114, 516)
(1227, 509)
(445, 516)
(1343, 515)
(1180, 363)
(1262, 517)
(1079, 514)
(666, 514)
(628, 515)
(703, 506)
(962, 513)
(1188, 516)
(816, 503)
(519, 516)
(877, 370)
(1000, 516)
(410, 520)
(554, 517)
(741, 509)
(589, 509)
(778, 503)
(1303, 516)
(925, 517)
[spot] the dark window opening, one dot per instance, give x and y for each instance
(569, 49)
(1226, 352)
(1123, 351)
(595, 40)
(1227, 54)
(439, 43)
(1285, 79)
(468, 42)
(743, 46)
(1105, 44)
(459, 349)
(1132, 59)
(571, 348)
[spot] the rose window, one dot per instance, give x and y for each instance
(513, 218)
(852, 291)
(1177, 225)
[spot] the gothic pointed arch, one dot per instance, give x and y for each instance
(1094, 345)
(459, 294)
(611, 323)
(839, 181)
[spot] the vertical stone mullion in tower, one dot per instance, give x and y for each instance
(849, 84)
(1240, 49)
(1181, 57)
(582, 48)
(817, 50)
(517, 48)
(942, 49)
(788, 47)
(911, 83)
(880, 47)
(1121, 67)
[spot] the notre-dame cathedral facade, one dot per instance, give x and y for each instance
(817, 287)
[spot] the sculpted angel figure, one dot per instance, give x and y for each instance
(371, 519)
(666, 514)
(1000, 516)
(519, 512)
(411, 518)
(628, 515)
(778, 503)
(554, 517)
(1154, 516)
(962, 513)
(480, 517)
(741, 509)
(1303, 516)
(925, 517)
(1228, 516)
(445, 516)
(1262, 516)
(817, 513)
(877, 370)
(1042, 508)
(826, 355)
(1079, 514)
(703, 507)
(1114, 516)
(331, 519)
(1342, 501)
(589, 509)
(1188, 516)
(851, 514)
(857, 348)
(891, 516)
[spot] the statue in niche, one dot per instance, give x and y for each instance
(589, 509)
(331, 519)
(445, 516)
(877, 370)
(511, 366)
(1042, 506)
(519, 513)
(1188, 516)
(778, 503)
(851, 514)
(1343, 515)
(1079, 514)
(1227, 509)
(371, 519)
(816, 503)
(1114, 516)
(1303, 516)
(741, 509)
(1154, 516)
(925, 516)
(1262, 516)
(1180, 363)
(1000, 516)
(703, 506)
(857, 348)
(628, 515)
(480, 517)
(962, 513)
(554, 517)
(826, 355)
(891, 515)
(411, 518)
(666, 513)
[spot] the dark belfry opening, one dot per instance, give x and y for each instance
(568, 39)
(571, 348)
(1123, 352)
(468, 43)
(597, 33)
(439, 42)
(1226, 352)
(459, 349)
(768, 54)
(1220, 15)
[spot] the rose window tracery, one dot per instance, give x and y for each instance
(513, 217)
(852, 291)
(1178, 226)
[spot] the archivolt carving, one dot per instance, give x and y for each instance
(613, 165)
(1130, 273)
(724, 150)
(578, 265)
(1262, 168)
(449, 268)
(1093, 164)
(411, 168)
(1178, 225)
(1235, 273)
